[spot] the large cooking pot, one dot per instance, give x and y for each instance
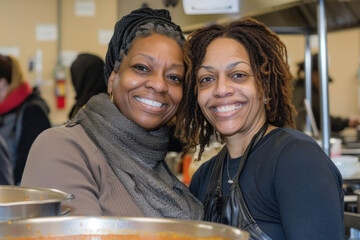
(151, 227)
(24, 202)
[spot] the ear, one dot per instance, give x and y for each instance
(111, 81)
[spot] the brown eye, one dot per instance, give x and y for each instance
(239, 75)
(205, 80)
(176, 78)
(141, 68)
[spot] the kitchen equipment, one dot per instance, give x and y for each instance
(56, 226)
(347, 165)
(24, 202)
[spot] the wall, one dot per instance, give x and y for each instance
(19, 18)
(343, 67)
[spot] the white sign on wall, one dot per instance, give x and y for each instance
(104, 36)
(46, 32)
(85, 8)
(68, 57)
(14, 51)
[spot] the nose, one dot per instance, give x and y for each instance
(158, 83)
(223, 87)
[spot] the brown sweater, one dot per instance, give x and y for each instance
(65, 158)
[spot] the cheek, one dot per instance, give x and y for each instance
(201, 98)
(176, 95)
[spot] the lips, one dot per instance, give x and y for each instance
(150, 102)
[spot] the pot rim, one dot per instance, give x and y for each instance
(96, 223)
(62, 196)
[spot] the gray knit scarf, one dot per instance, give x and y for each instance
(137, 158)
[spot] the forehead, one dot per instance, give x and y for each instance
(224, 48)
(154, 41)
(223, 51)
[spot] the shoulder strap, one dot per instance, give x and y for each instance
(256, 138)
(216, 174)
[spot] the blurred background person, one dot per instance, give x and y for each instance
(337, 124)
(23, 113)
(86, 71)
(6, 173)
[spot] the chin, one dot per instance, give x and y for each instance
(227, 129)
(148, 126)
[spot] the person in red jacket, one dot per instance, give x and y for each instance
(23, 113)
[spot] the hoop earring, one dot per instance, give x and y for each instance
(111, 97)
(265, 101)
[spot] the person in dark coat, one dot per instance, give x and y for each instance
(23, 113)
(6, 174)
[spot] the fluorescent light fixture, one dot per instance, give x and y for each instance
(210, 6)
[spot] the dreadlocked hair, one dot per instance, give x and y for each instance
(268, 59)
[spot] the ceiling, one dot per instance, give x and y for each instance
(302, 17)
(295, 17)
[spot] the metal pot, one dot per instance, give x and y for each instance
(25, 202)
(65, 226)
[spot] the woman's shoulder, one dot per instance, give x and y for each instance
(287, 135)
(35, 101)
(288, 143)
(64, 145)
(293, 146)
(65, 135)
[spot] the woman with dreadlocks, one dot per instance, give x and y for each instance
(111, 155)
(269, 179)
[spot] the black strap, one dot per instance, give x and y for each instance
(256, 138)
(216, 175)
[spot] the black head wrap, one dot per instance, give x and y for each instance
(86, 70)
(125, 29)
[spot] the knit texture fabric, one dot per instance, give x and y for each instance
(124, 32)
(137, 158)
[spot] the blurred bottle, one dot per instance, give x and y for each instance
(185, 166)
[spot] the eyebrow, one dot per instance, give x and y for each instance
(229, 66)
(152, 59)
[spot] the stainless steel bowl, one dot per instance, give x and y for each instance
(56, 226)
(24, 202)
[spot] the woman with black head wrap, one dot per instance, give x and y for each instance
(86, 70)
(111, 155)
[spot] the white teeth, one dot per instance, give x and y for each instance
(149, 102)
(227, 108)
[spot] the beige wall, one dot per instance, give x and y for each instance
(343, 67)
(19, 18)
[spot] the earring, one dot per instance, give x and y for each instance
(111, 97)
(265, 101)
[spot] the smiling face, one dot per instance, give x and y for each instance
(148, 86)
(227, 92)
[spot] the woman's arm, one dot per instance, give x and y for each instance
(58, 159)
(309, 193)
